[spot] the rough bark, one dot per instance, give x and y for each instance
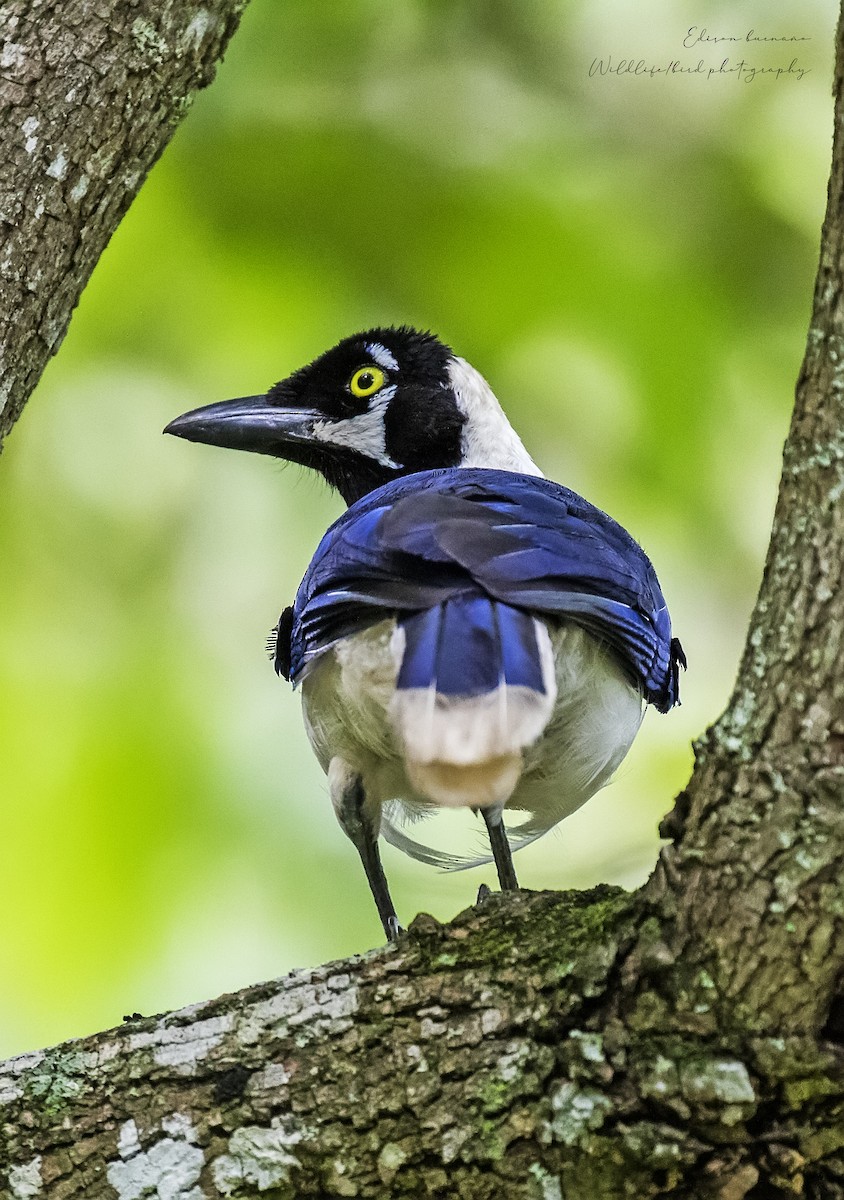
(686, 1040)
(90, 94)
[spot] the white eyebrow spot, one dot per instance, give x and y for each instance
(381, 355)
(365, 432)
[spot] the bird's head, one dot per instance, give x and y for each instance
(379, 404)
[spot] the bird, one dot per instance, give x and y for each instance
(468, 633)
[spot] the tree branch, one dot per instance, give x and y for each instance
(90, 94)
(686, 1040)
(755, 880)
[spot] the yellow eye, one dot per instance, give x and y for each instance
(366, 381)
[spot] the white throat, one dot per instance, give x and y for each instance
(489, 440)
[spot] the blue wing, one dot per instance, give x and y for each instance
(522, 540)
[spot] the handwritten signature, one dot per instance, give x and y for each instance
(697, 36)
(742, 70)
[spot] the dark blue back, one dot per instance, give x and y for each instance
(524, 541)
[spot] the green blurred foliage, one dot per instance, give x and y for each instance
(629, 261)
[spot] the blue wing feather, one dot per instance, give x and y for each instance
(522, 540)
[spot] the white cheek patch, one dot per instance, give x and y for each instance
(381, 355)
(365, 432)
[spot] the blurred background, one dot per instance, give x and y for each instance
(629, 260)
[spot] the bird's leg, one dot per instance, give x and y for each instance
(500, 849)
(348, 797)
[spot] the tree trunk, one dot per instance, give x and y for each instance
(91, 92)
(685, 1040)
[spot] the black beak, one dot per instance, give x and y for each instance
(252, 423)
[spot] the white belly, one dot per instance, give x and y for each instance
(347, 700)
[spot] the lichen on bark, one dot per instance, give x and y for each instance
(491, 1056)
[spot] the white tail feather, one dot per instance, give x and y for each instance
(464, 730)
(467, 750)
(485, 784)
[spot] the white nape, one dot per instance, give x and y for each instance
(489, 440)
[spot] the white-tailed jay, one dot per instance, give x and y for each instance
(468, 633)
